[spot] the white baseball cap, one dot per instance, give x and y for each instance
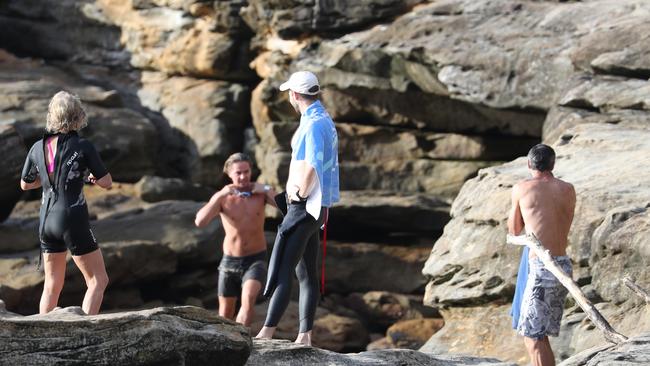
(302, 82)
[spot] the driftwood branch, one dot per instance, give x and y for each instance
(636, 288)
(596, 317)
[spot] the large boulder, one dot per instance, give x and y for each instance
(211, 115)
(170, 223)
(155, 189)
(192, 39)
(169, 336)
(274, 352)
(292, 19)
(355, 267)
(388, 212)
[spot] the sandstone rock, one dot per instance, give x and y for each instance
(381, 343)
(13, 153)
(185, 40)
(471, 263)
(379, 310)
(339, 334)
(18, 236)
(296, 18)
(170, 223)
(168, 40)
(414, 333)
(361, 267)
(74, 31)
(486, 332)
(213, 126)
(276, 352)
(198, 337)
(390, 211)
(155, 189)
(634, 351)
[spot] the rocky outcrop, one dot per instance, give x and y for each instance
(133, 338)
(634, 351)
(285, 353)
(293, 19)
(360, 267)
(155, 189)
(414, 333)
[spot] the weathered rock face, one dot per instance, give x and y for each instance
(292, 19)
(360, 267)
(170, 223)
(191, 39)
(414, 333)
(634, 351)
(155, 189)
(211, 114)
(285, 353)
(133, 338)
(13, 153)
(485, 330)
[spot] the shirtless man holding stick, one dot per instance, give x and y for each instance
(544, 205)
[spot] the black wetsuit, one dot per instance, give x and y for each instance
(295, 249)
(64, 214)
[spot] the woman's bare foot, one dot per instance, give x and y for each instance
(304, 338)
(265, 333)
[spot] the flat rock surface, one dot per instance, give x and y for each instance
(286, 353)
(169, 336)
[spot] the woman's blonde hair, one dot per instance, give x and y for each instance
(65, 113)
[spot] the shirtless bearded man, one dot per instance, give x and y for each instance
(544, 205)
(243, 266)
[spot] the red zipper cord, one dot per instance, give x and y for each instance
(322, 270)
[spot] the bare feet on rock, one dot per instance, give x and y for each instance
(265, 333)
(304, 338)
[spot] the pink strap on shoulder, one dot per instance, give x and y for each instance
(50, 153)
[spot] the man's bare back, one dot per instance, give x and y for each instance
(545, 206)
(243, 222)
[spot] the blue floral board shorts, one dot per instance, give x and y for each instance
(543, 300)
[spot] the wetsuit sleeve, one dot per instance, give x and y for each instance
(30, 168)
(94, 161)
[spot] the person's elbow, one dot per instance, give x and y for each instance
(200, 220)
(106, 181)
(24, 185)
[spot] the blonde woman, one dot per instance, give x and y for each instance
(58, 163)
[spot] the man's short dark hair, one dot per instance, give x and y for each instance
(541, 157)
(311, 97)
(237, 158)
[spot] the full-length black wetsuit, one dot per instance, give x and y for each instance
(64, 214)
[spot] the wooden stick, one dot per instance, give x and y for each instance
(636, 288)
(596, 317)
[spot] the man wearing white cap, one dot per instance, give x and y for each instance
(312, 187)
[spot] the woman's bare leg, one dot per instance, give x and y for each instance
(94, 271)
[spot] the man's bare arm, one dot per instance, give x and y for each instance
(208, 212)
(269, 196)
(515, 219)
